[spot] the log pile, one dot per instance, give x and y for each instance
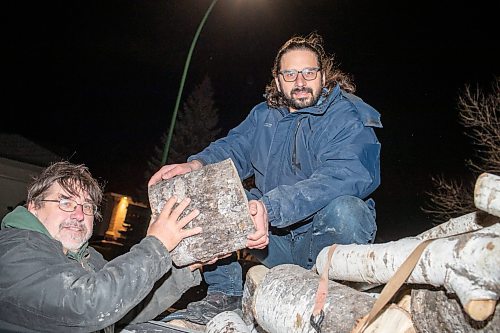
(454, 286)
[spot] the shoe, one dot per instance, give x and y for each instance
(203, 311)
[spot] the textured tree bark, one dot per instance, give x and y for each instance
(434, 311)
(227, 322)
(254, 277)
(217, 192)
(468, 265)
(487, 193)
(469, 222)
(284, 300)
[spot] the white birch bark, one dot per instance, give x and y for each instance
(487, 193)
(468, 264)
(469, 222)
(227, 322)
(284, 300)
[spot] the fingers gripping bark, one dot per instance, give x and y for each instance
(168, 228)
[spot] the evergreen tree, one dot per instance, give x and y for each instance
(196, 126)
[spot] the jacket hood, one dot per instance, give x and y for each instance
(21, 218)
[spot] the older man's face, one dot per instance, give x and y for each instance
(72, 229)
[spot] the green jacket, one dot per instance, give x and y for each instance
(44, 290)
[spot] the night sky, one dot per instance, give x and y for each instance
(101, 78)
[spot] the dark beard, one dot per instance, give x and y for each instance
(300, 103)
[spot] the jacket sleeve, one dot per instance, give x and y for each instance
(167, 291)
(348, 164)
(56, 294)
(237, 146)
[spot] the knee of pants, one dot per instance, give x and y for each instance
(348, 218)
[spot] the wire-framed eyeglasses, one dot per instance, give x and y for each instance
(69, 205)
(308, 74)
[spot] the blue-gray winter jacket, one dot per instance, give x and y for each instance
(305, 159)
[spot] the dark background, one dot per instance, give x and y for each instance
(96, 81)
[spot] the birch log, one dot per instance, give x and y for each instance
(227, 322)
(487, 193)
(465, 223)
(435, 311)
(468, 265)
(284, 300)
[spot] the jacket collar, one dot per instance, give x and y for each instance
(326, 98)
(21, 218)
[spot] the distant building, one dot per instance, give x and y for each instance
(20, 160)
(124, 221)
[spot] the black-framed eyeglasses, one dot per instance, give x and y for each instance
(69, 205)
(308, 74)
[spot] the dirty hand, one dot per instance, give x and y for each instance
(260, 238)
(168, 228)
(172, 170)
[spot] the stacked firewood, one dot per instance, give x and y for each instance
(453, 287)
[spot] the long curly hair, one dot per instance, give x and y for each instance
(314, 43)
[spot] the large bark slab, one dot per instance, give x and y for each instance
(435, 311)
(217, 192)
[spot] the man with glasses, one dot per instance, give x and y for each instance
(52, 281)
(312, 150)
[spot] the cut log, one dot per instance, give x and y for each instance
(435, 311)
(227, 322)
(217, 192)
(393, 319)
(253, 278)
(283, 302)
(487, 193)
(468, 264)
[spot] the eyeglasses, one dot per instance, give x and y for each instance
(308, 74)
(69, 205)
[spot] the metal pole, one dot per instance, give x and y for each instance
(183, 79)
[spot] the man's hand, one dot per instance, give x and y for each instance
(168, 228)
(260, 238)
(172, 170)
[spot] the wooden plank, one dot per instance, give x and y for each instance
(216, 190)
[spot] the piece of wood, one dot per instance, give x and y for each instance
(487, 193)
(435, 311)
(227, 322)
(467, 264)
(285, 297)
(253, 278)
(193, 327)
(216, 191)
(468, 222)
(393, 319)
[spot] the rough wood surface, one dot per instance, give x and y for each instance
(253, 278)
(284, 300)
(217, 192)
(434, 311)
